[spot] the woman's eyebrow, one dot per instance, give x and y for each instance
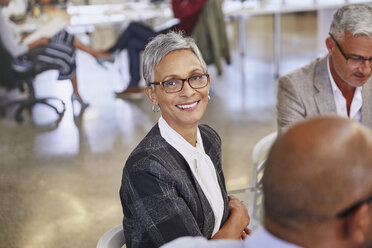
(174, 76)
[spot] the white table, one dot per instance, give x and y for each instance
(242, 11)
(101, 14)
(106, 17)
(80, 19)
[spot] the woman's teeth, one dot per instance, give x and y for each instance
(187, 106)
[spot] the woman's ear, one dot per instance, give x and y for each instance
(150, 93)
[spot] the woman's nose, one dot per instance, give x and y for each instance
(187, 89)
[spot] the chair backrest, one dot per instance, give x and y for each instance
(259, 155)
(113, 238)
(7, 75)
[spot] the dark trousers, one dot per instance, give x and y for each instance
(134, 39)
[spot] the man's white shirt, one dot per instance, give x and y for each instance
(356, 104)
(260, 238)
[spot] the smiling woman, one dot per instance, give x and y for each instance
(172, 183)
(182, 110)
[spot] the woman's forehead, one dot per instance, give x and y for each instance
(178, 62)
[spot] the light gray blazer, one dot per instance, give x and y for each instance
(307, 92)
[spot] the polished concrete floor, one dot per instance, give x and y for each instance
(59, 182)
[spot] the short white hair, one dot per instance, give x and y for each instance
(163, 44)
(354, 18)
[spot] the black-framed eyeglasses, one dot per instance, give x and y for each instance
(352, 60)
(175, 85)
(353, 207)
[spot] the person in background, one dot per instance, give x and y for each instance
(317, 187)
(173, 184)
(137, 35)
(57, 52)
(339, 83)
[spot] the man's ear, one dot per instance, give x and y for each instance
(330, 44)
(358, 224)
(151, 94)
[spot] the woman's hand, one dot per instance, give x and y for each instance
(245, 233)
(239, 212)
(236, 226)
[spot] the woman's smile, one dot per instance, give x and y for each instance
(188, 106)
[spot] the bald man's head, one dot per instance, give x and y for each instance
(316, 169)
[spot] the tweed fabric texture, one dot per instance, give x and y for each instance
(161, 199)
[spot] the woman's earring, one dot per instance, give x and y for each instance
(209, 97)
(155, 108)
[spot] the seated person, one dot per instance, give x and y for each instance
(317, 187)
(339, 83)
(57, 52)
(172, 183)
(137, 35)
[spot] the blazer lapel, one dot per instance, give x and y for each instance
(367, 103)
(324, 96)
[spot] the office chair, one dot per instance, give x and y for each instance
(12, 77)
(259, 155)
(113, 238)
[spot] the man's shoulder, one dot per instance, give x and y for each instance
(263, 238)
(201, 242)
(306, 72)
(305, 78)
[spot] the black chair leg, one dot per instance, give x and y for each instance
(2, 111)
(31, 103)
(44, 101)
(18, 115)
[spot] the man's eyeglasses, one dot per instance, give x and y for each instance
(176, 85)
(353, 60)
(354, 207)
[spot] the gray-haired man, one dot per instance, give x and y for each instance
(339, 83)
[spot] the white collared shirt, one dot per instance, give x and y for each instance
(201, 166)
(260, 238)
(356, 104)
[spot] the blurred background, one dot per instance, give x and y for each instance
(60, 176)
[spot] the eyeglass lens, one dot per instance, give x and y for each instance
(359, 61)
(175, 85)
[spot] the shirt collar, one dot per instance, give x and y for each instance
(356, 104)
(177, 141)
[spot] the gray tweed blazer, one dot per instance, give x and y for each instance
(161, 199)
(307, 92)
